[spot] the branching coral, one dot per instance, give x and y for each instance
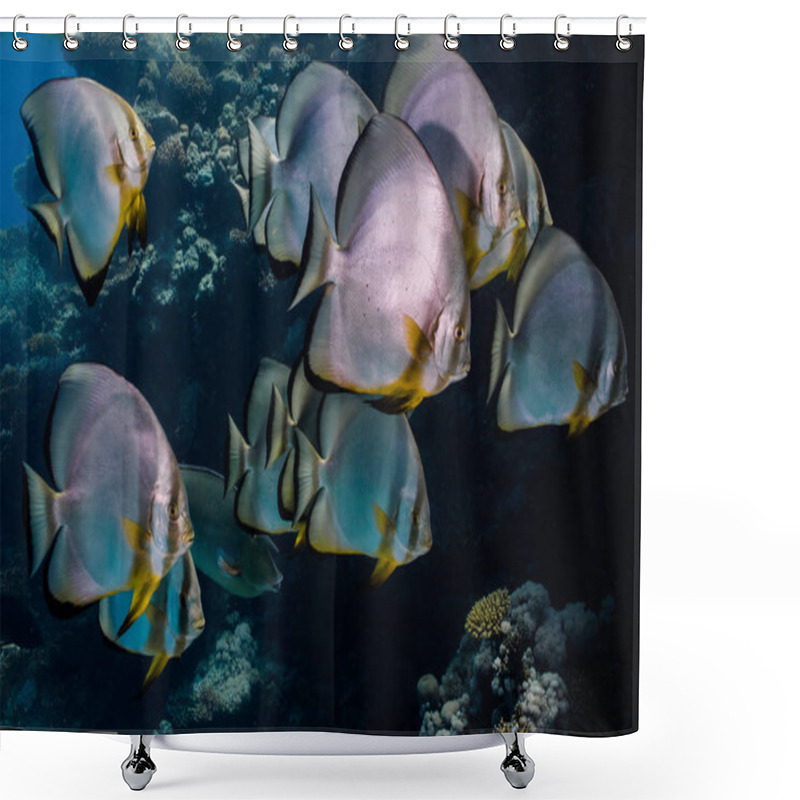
(486, 616)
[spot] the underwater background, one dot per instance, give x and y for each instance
(551, 520)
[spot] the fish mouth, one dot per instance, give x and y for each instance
(199, 624)
(188, 537)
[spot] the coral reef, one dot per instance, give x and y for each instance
(506, 675)
(486, 616)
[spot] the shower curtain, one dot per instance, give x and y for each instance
(320, 385)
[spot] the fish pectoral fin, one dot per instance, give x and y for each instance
(115, 173)
(584, 382)
(383, 569)
(142, 592)
(302, 538)
(229, 566)
(156, 668)
(418, 344)
(50, 218)
(386, 525)
(137, 537)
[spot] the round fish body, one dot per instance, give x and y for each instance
(93, 153)
(565, 360)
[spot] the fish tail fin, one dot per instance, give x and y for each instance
(316, 252)
(261, 160)
(41, 515)
(277, 427)
(49, 216)
(244, 201)
(156, 668)
(306, 474)
(238, 448)
(500, 340)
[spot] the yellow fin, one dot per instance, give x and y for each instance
(383, 569)
(519, 253)
(466, 209)
(300, 541)
(418, 344)
(585, 383)
(136, 536)
(156, 668)
(385, 524)
(114, 171)
(578, 421)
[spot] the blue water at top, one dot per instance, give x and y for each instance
(41, 61)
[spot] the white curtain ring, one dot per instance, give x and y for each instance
(70, 42)
(345, 42)
(623, 44)
(19, 44)
(128, 42)
(561, 42)
(181, 42)
(401, 42)
(451, 42)
(507, 42)
(234, 44)
(289, 43)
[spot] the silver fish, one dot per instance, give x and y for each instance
(93, 154)
(510, 251)
(172, 620)
(365, 493)
(119, 516)
(439, 95)
(565, 360)
(256, 460)
(394, 319)
(239, 562)
(318, 122)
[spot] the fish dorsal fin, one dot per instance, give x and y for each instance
(244, 201)
(502, 336)
(287, 505)
(85, 392)
(243, 153)
(304, 96)
(270, 374)
(414, 70)
(261, 161)
(388, 162)
(37, 112)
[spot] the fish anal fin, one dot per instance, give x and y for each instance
(578, 420)
(237, 461)
(500, 340)
(383, 569)
(89, 278)
(277, 428)
(50, 219)
(317, 252)
(156, 668)
(141, 221)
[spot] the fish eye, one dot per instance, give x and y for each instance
(172, 511)
(134, 133)
(460, 333)
(502, 187)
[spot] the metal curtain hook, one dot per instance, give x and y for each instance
(507, 42)
(128, 42)
(561, 42)
(345, 42)
(181, 42)
(70, 42)
(19, 43)
(288, 42)
(623, 43)
(451, 42)
(400, 42)
(234, 44)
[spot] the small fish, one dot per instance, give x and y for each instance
(119, 518)
(565, 361)
(172, 620)
(239, 562)
(318, 122)
(256, 460)
(265, 127)
(365, 493)
(510, 251)
(394, 319)
(439, 95)
(93, 154)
